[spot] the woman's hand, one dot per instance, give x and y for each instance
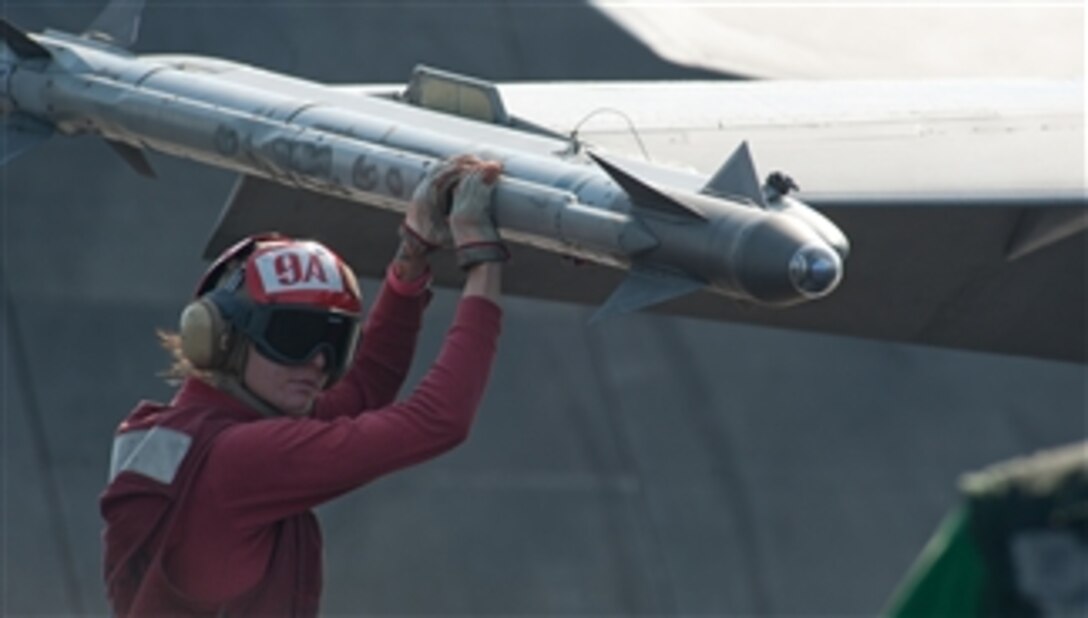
(472, 223)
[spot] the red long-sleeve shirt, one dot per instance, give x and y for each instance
(259, 472)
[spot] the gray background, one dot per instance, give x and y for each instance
(646, 466)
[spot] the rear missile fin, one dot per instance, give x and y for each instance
(135, 158)
(643, 195)
(20, 44)
(118, 23)
(21, 133)
(645, 287)
(737, 178)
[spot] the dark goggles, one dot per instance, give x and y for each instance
(294, 335)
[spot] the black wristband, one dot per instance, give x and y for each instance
(478, 253)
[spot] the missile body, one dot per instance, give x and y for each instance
(732, 236)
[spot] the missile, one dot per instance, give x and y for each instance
(734, 236)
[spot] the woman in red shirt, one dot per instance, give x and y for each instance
(208, 509)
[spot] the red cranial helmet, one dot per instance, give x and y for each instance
(303, 273)
(293, 299)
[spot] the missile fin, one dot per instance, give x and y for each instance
(135, 158)
(737, 178)
(118, 23)
(643, 195)
(20, 44)
(645, 287)
(21, 133)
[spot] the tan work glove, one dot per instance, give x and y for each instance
(425, 228)
(472, 218)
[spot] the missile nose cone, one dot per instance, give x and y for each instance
(815, 271)
(782, 262)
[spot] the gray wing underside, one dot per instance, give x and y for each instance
(993, 274)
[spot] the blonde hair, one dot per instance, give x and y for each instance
(181, 368)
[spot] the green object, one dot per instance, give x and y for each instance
(948, 577)
(1018, 546)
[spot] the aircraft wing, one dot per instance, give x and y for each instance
(964, 201)
(837, 41)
